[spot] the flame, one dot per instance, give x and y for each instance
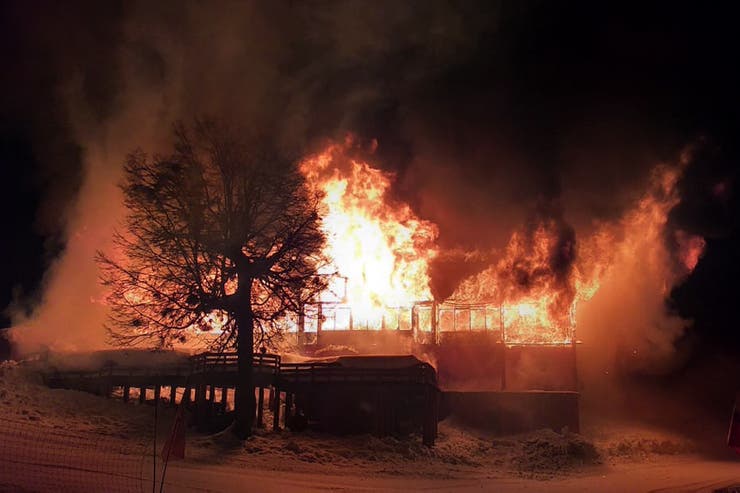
(381, 253)
(380, 249)
(533, 284)
(538, 294)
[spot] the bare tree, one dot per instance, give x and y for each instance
(223, 234)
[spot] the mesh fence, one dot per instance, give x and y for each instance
(41, 459)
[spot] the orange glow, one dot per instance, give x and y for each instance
(379, 247)
(536, 297)
(691, 248)
(381, 253)
(538, 303)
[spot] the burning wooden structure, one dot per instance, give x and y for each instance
(381, 394)
(471, 343)
(488, 375)
(502, 339)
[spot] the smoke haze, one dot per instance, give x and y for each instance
(484, 111)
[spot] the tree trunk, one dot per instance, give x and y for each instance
(244, 400)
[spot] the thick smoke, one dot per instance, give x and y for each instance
(300, 72)
(463, 110)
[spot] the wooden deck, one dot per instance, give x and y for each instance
(296, 389)
(377, 400)
(214, 369)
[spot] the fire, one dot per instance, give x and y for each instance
(641, 232)
(533, 283)
(380, 249)
(537, 288)
(381, 253)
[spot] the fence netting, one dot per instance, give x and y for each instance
(40, 459)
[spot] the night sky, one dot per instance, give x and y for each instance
(577, 100)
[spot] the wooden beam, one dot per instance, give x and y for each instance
(288, 408)
(211, 400)
(429, 426)
(173, 395)
(224, 398)
(260, 406)
(276, 411)
(200, 405)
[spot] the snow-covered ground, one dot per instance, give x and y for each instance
(63, 440)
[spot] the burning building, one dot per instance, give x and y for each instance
(510, 326)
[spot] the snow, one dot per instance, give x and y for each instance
(25, 398)
(113, 439)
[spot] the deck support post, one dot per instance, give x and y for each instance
(211, 400)
(276, 411)
(431, 411)
(288, 408)
(126, 393)
(142, 395)
(224, 398)
(173, 395)
(260, 406)
(200, 404)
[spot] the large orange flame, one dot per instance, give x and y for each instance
(380, 249)
(381, 252)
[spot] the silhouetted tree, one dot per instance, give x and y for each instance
(221, 235)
